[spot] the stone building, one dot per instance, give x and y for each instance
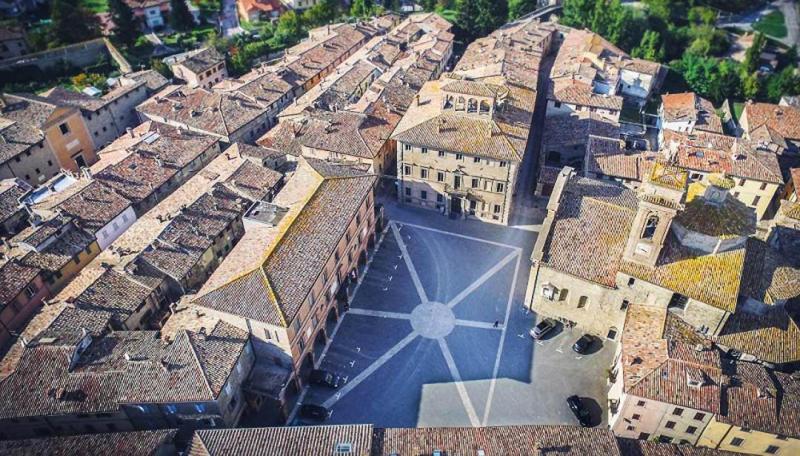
(13, 216)
(691, 252)
(42, 137)
(71, 380)
(754, 170)
(202, 67)
(462, 142)
(326, 215)
(672, 385)
(592, 75)
(687, 112)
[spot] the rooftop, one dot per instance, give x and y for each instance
(690, 107)
(263, 266)
(141, 443)
(121, 368)
(784, 120)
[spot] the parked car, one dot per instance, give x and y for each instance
(576, 405)
(542, 328)
(325, 378)
(583, 344)
(314, 412)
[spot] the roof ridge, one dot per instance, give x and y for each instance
(197, 358)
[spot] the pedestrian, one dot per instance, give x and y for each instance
(496, 323)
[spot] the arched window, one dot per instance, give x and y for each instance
(485, 108)
(472, 106)
(448, 102)
(650, 227)
(461, 104)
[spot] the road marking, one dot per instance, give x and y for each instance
(464, 236)
(482, 279)
(499, 355)
(476, 324)
(462, 391)
(370, 369)
(407, 258)
(379, 313)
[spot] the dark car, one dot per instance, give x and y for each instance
(576, 405)
(325, 378)
(542, 328)
(314, 412)
(582, 344)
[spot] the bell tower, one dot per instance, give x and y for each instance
(660, 198)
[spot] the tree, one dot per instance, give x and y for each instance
(361, 8)
(179, 17)
(782, 83)
(519, 8)
(650, 48)
(466, 14)
(753, 53)
(321, 13)
(577, 13)
(289, 30)
(601, 18)
(125, 26)
(72, 23)
(750, 85)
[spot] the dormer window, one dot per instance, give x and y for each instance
(343, 448)
(695, 378)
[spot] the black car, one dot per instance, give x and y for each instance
(325, 378)
(576, 405)
(314, 412)
(542, 328)
(582, 344)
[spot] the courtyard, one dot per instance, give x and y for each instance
(437, 335)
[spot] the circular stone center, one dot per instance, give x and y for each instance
(433, 320)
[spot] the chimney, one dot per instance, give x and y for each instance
(129, 131)
(417, 98)
(202, 333)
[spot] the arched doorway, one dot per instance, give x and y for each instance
(331, 320)
(306, 367)
(319, 343)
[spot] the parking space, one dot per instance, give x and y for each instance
(437, 335)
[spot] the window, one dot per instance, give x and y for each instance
(756, 200)
(343, 448)
(441, 153)
(678, 411)
(763, 186)
(582, 302)
(64, 128)
(496, 209)
(650, 227)
(500, 187)
(670, 425)
(736, 441)
(503, 164)
(423, 194)
(408, 191)
(423, 173)
(631, 281)
(624, 305)
(612, 333)
(407, 170)
(691, 430)
(440, 176)
(457, 182)
(200, 408)
(640, 404)
(439, 198)
(30, 291)
(459, 156)
(772, 449)
(630, 428)
(476, 159)
(699, 416)
(557, 104)
(406, 147)
(636, 417)
(424, 150)
(475, 182)
(172, 408)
